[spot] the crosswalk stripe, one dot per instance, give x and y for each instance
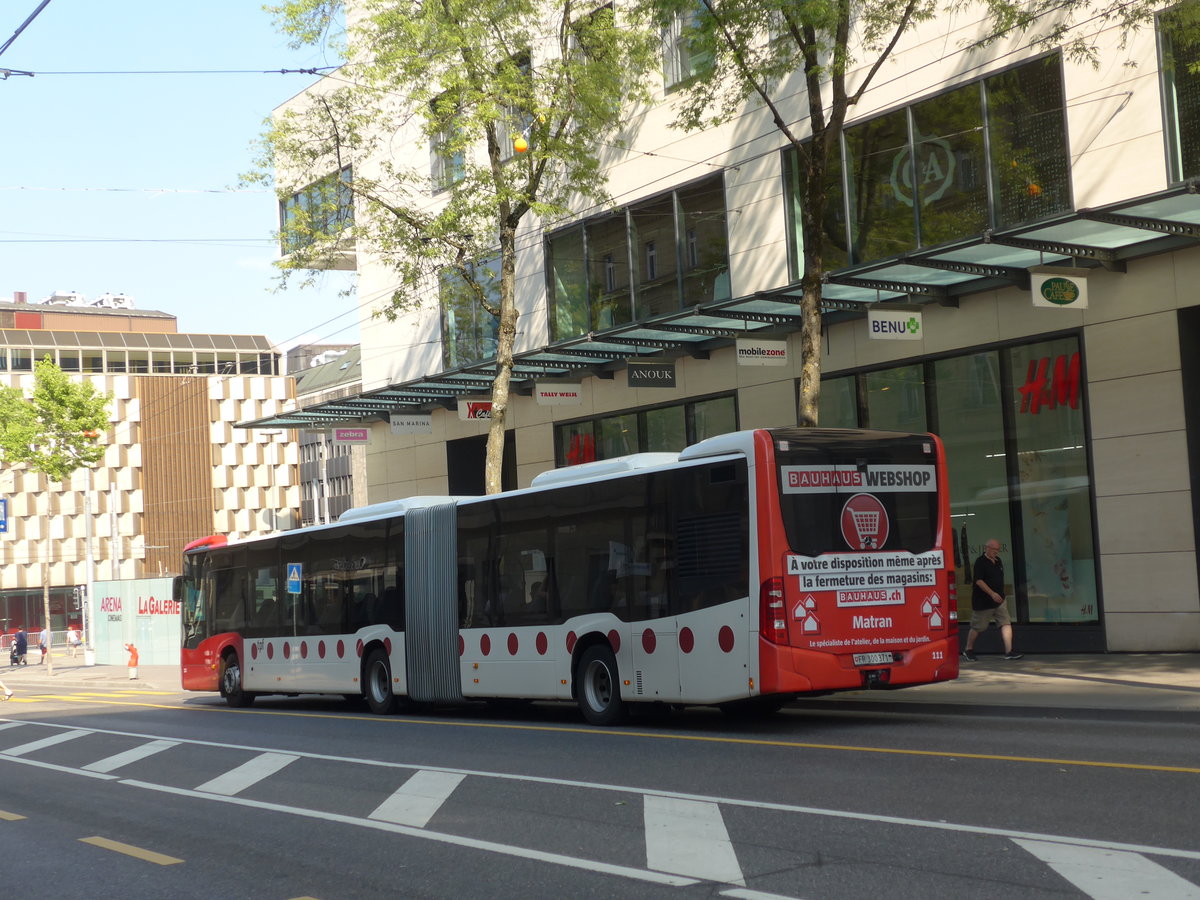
(1111, 874)
(247, 774)
(688, 837)
(137, 754)
(59, 738)
(415, 802)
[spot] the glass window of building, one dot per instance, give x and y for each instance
(1181, 92)
(705, 240)
(139, 362)
(950, 166)
(117, 360)
(21, 359)
(658, 256)
(1054, 486)
(708, 418)
(469, 331)
(970, 422)
(1012, 421)
(665, 428)
(68, 360)
(839, 402)
(567, 283)
(684, 53)
(92, 361)
(896, 399)
(206, 363)
(320, 211)
(447, 148)
(1027, 133)
(991, 153)
(608, 272)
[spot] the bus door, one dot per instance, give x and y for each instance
(710, 599)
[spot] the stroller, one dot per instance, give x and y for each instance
(15, 658)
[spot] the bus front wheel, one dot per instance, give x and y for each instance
(598, 687)
(377, 683)
(231, 682)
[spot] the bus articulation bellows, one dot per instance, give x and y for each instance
(744, 571)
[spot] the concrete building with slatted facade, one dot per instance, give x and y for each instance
(175, 465)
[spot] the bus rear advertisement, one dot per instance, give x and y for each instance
(744, 571)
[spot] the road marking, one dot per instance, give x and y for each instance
(1110, 874)
(688, 837)
(11, 725)
(415, 802)
(941, 825)
(59, 738)
(648, 735)
(438, 837)
(129, 850)
(10, 817)
(745, 894)
(247, 774)
(130, 756)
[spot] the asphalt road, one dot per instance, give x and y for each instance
(131, 794)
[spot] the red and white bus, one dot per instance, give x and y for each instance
(746, 570)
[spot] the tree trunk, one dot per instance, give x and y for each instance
(507, 337)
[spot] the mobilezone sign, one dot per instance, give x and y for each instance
(895, 325)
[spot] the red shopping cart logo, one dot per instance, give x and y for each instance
(864, 522)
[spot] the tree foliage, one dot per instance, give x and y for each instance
(465, 77)
(54, 431)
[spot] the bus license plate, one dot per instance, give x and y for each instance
(872, 659)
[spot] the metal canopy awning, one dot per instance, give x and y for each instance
(1104, 237)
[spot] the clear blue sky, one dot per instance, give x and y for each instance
(129, 183)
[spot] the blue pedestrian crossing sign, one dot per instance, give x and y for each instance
(3, 515)
(294, 571)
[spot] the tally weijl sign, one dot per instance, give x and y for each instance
(879, 479)
(552, 394)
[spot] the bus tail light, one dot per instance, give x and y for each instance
(951, 589)
(772, 613)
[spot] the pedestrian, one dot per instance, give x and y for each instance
(133, 661)
(44, 644)
(987, 601)
(21, 643)
(73, 640)
(7, 692)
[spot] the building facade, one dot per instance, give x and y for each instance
(175, 465)
(1028, 225)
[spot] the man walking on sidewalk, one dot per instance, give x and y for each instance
(987, 601)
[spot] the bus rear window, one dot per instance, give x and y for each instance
(845, 491)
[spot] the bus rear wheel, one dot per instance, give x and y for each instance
(598, 687)
(377, 683)
(231, 682)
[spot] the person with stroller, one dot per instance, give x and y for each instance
(20, 648)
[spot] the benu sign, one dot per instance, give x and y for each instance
(894, 325)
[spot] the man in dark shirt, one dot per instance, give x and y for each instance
(987, 601)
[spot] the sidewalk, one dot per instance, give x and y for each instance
(1154, 684)
(72, 674)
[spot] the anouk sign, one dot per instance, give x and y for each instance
(651, 374)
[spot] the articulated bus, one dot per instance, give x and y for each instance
(744, 571)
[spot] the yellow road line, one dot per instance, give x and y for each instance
(700, 738)
(10, 817)
(130, 850)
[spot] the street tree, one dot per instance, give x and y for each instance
(513, 96)
(750, 53)
(53, 432)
